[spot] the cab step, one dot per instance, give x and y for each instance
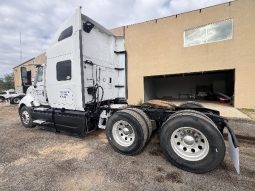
(40, 122)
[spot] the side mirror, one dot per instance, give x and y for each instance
(33, 82)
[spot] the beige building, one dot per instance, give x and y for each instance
(194, 55)
(25, 72)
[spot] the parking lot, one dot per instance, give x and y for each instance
(40, 159)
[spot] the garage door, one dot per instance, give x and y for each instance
(210, 85)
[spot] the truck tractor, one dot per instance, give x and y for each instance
(83, 87)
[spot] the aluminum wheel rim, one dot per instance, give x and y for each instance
(25, 117)
(189, 143)
(123, 133)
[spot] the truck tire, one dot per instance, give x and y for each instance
(191, 104)
(15, 100)
(127, 132)
(192, 142)
(145, 117)
(26, 118)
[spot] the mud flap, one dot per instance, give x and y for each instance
(234, 153)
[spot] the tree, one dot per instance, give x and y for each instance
(7, 82)
(1, 84)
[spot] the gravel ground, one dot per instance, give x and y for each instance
(249, 112)
(39, 159)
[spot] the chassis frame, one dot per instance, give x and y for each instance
(84, 122)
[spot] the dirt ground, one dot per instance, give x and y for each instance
(249, 112)
(39, 159)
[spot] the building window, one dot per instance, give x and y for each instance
(66, 33)
(214, 32)
(64, 70)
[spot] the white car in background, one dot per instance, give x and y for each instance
(10, 95)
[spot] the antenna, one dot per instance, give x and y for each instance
(20, 47)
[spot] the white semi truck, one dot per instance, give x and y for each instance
(83, 87)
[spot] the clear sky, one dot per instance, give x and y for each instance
(37, 20)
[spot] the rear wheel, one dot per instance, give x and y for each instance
(15, 100)
(126, 132)
(192, 142)
(25, 117)
(1, 99)
(146, 119)
(191, 104)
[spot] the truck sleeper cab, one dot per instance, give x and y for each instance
(83, 87)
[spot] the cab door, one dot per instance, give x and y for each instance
(39, 86)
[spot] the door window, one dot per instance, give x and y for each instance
(66, 33)
(39, 77)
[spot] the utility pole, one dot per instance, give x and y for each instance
(20, 47)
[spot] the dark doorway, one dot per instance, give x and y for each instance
(29, 78)
(26, 78)
(190, 86)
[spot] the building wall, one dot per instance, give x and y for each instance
(30, 65)
(156, 48)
